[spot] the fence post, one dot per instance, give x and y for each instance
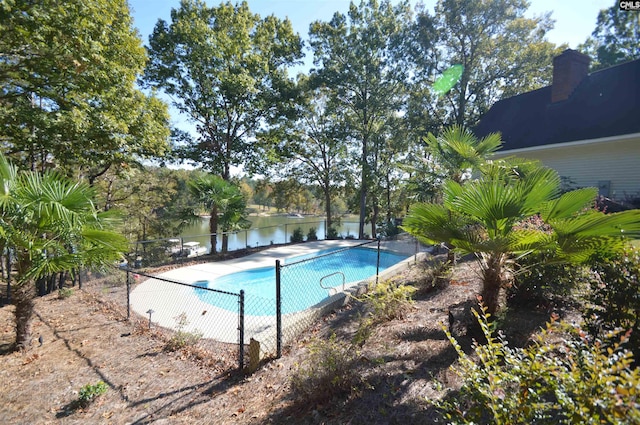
(241, 329)
(285, 233)
(128, 294)
(378, 262)
(278, 313)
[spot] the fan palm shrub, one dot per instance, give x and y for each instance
(226, 203)
(49, 225)
(485, 217)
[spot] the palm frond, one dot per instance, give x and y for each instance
(433, 223)
(568, 204)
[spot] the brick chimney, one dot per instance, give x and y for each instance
(568, 71)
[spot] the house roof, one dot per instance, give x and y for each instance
(605, 103)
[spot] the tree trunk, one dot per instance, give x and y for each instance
(225, 241)
(363, 188)
(491, 284)
(327, 207)
(23, 297)
(374, 216)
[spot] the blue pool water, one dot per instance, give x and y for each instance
(300, 280)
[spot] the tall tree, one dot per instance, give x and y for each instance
(51, 226)
(317, 149)
(357, 58)
(615, 39)
(225, 68)
(502, 53)
(68, 97)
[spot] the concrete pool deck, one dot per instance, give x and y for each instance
(168, 300)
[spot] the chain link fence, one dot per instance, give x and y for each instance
(310, 286)
(202, 302)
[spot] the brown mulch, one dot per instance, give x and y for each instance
(86, 340)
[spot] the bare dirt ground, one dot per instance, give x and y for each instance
(86, 340)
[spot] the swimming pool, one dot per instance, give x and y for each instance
(300, 280)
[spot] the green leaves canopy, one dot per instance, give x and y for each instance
(502, 53)
(67, 87)
(616, 38)
(226, 69)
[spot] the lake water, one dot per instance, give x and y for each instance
(268, 230)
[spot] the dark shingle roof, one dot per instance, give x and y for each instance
(605, 103)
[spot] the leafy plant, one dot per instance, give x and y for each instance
(329, 370)
(311, 235)
(435, 276)
(89, 392)
(297, 236)
(538, 279)
(181, 338)
(64, 293)
(560, 378)
(332, 233)
(387, 301)
(614, 298)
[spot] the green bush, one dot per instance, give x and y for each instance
(387, 301)
(434, 275)
(332, 233)
(181, 338)
(328, 371)
(297, 236)
(538, 280)
(560, 378)
(613, 301)
(89, 392)
(64, 293)
(311, 235)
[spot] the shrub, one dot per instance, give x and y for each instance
(64, 293)
(89, 392)
(297, 236)
(560, 378)
(538, 280)
(614, 296)
(311, 235)
(332, 233)
(434, 275)
(328, 371)
(181, 338)
(387, 228)
(387, 301)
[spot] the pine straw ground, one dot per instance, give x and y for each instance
(86, 340)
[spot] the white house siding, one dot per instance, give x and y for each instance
(587, 163)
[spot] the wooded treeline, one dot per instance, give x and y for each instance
(80, 94)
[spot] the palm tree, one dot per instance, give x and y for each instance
(455, 155)
(457, 151)
(226, 204)
(51, 226)
(488, 218)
